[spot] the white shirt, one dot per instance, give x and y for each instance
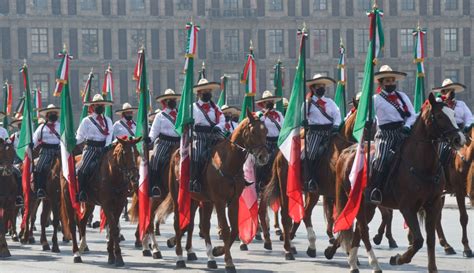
(88, 131)
(44, 135)
(462, 114)
(120, 130)
(272, 129)
(200, 120)
(232, 125)
(315, 117)
(162, 125)
(3, 133)
(16, 139)
(385, 112)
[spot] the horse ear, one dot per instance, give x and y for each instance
(121, 141)
(432, 99)
(250, 115)
(136, 140)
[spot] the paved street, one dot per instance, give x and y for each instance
(30, 258)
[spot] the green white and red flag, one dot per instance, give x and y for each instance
(340, 96)
(108, 90)
(86, 97)
(419, 57)
(223, 96)
(62, 75)
(249, 78)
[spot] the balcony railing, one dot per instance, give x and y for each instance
(239, 12)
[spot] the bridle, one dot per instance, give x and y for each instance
(128, 174)
(443, 134)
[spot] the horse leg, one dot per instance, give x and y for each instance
(189, 238)
(411, 219)
(44, 219)
(114, 227)
(155, 246)
(287, 223)
(381, 230)
(363, 220)
(83, 247)
(388, 229)
(54, 238)
(146, 252)
(276, 225)
(180, 263)
(233, 215)
(448, 249)
(309, 206)
(205, 221)
(262, 215)
(354, 249)
(4, 252)
(432, 213)
(138, 242)
(328, 205)
(463, 218)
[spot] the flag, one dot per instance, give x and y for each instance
(142, 131)
(289, 140)
(249, 78)
(248, 204)
(86, 97)
(7, 102)
(38, 105)
(67, 131)
(25, 144)
(183, 127)
(278, 83)
(223, 97)
(419, 56)
(340, 96)
(360, 167)
(19, 107)
(108, 91)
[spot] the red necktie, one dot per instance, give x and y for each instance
(101, 121)
(227, 126)
(129, 124)
(206, 107)
(322, 104)
(173, 114)
(393, 98)
(274, 115)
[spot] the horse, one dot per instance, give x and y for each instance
(118, 168)
(415, 181)
(7, 194)
(222, 183)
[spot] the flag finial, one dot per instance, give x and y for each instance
(375, 4)
(203, 66)
(24, 62)
(304, 29)
(341, 44)
(64, 47)
(418, 25)
(191, 21)
(251, 46)
(92, 69)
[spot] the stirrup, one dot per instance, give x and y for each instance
(40, 194)
(82, 197)
(155, 192)
(19, 201)
(376, 196)
(311, 186)
(194, 186)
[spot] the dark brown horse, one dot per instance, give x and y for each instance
(222, 191)
(415, 182)
(108, 188)
(8, 193)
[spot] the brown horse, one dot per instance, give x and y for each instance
(457, 182)
(8, 193)
(108, 188)
(222, 182)
(415, 182)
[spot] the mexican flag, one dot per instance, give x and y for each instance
(419, 56)
(278, 83)
(108, 91)
(183, 127)
(7, 102)
(249, 78)
(67, 130)
(360, 168)
(25, 145)
(248, 204)
(223, 96)
(289, 140)
(340, 96)
(142, 131)
(86, 96)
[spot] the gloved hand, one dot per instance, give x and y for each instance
(147, 140)
(406, 131)
(305, 123)
(227, 134)
(467, 128)
(31, 146)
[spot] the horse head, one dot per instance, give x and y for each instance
(7, 153)
(125, 154)
(252, 134)
(440, 122)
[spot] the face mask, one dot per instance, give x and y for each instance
(269, 105)
(236, 119)
(228, 118)
(390, 88)
(52, 117)
(171, 104)
(128, 118)
(99, 109)
(206, 97)
(320, 91)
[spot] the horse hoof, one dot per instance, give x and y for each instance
(221, 237)
(86, 249)
(211, 264)
(46, 248)
(281, 238)
(354, 271)
(332, 240)
(157, 255)
(378, 271)
(138, 244)
(201, 235)
(328, 253)
(180, 264)
(278, 232)
(65, 240)
(293, 250)
(121, 238)
(449, 251)
(467, 253)
(267, 245)
(244, 247)
(218, 251)
(96, 224)
(394, 260)
(119, 263)
(170, 243)
(146, 253)
(377, 239)
(192, 257)
(34, 228)
(392, 244)
(111, 260)
(311, 252)
(230, 269)
(289, 256)
(78, 260)
(55, 249)
(258, 237)
(15, 237)
(6, 254)
(31, 240)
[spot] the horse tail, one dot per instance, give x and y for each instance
(64, 217)
(165, 208)
(271, 193)
(133, 211)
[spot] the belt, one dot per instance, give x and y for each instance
(272, 139)
(202, 129)
(168, 138)
(95, 143)
(392, 125)
(319, 127)
(50, 146)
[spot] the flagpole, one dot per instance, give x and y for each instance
(303, 52)
(253, 97)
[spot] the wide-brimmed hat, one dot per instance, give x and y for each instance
(268, 96)
(16, 122)
(169, 94)
(50, 108)
(386, 71)
(230, 109)
(285, 103)
(98, 99)
(449, 84)
(126, 107)
(204, 84)
(152, 115)
(320, 79)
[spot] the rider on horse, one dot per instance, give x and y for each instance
(209, 125)
(229, 112)
(322, 118)
(125, 126)
(47, 138)
(395, 116)
(462, 114)
(273, 119)
(3, 131)
(14, 138)
(94, 131)
(165, 139)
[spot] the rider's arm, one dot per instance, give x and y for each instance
(412, 118)
(155, 128)
(110, 136)
(36, 135)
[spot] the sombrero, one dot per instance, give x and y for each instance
(449, 84)
(169, 94)
(16, 122)
(230, 109)
(204, 84)
(285, 103)
(98, 99)
(152, 115)
(268, 96)
(49, 109)
(126, 107)
(386, 72)
(318, 78)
